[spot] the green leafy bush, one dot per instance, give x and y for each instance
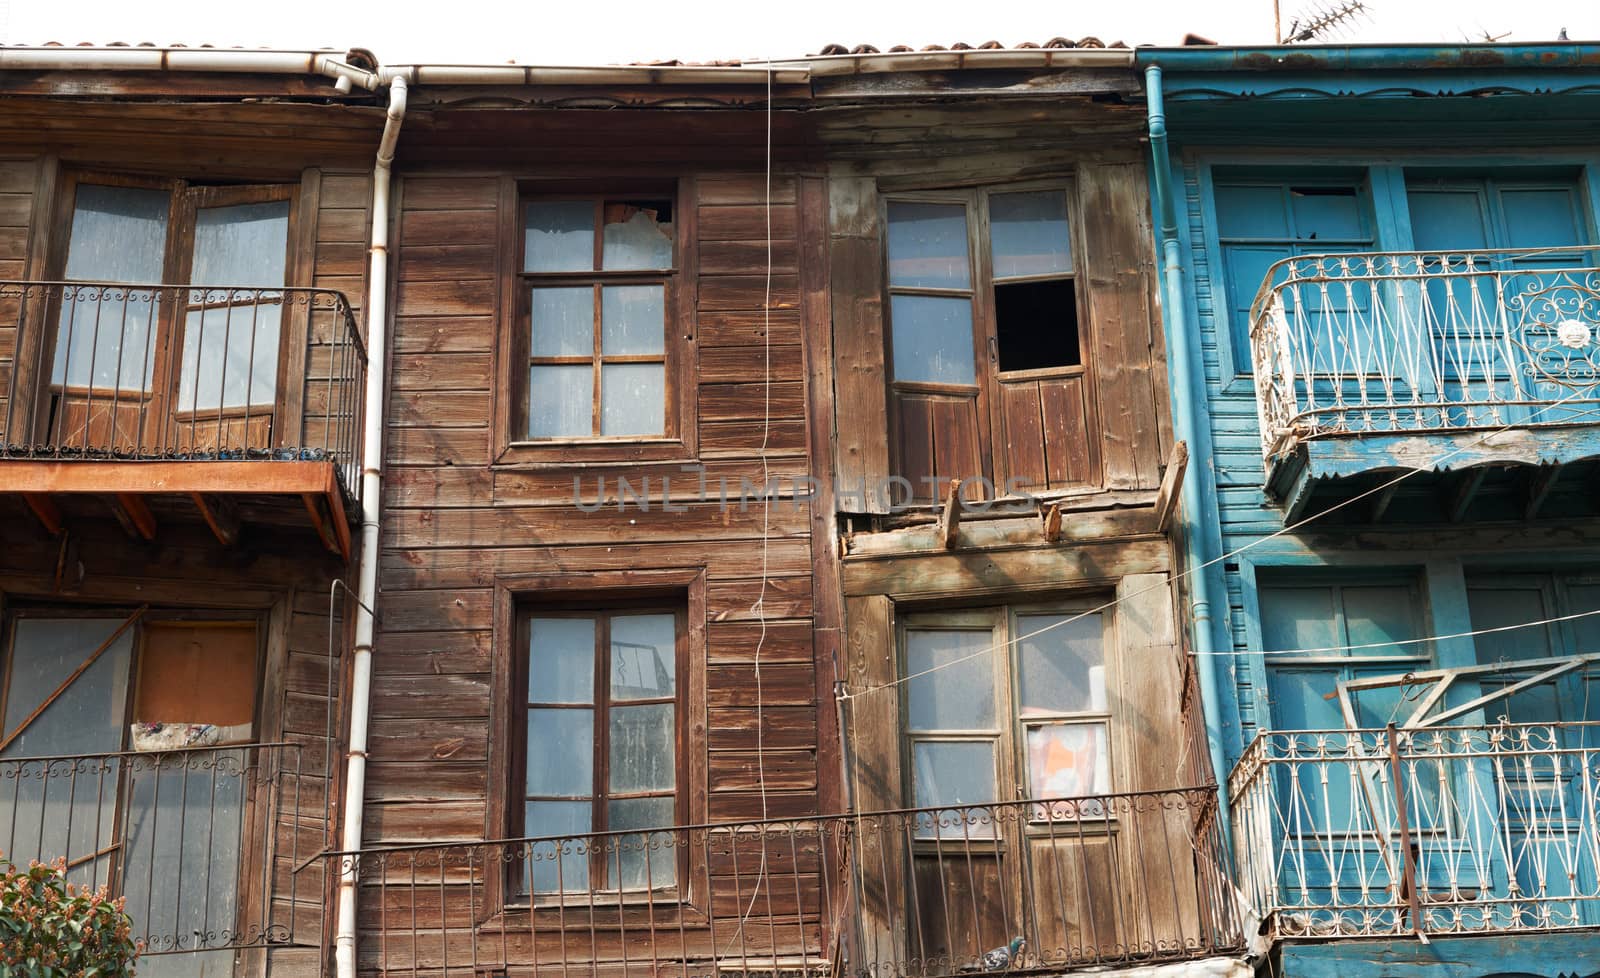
(50, 928)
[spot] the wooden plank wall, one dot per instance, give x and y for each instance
(455, 523)
(18, 181)
(339, 244)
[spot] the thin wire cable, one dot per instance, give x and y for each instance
(1173, 579)
(1413, 641)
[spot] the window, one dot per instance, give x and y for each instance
(1505, 600)
(1263, 217)
(597, 292)
(975, 717)
(104, 715)
(601, 752)
(987, 351)
(180, 369)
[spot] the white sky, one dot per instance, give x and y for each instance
(612, 31)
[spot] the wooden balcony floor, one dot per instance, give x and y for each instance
(221, 493)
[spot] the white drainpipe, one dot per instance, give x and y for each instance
(355, 782)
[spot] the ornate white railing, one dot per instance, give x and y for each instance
(1439, 831)
(1425, 341)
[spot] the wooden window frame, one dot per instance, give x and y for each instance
(600, 707)
(679, 440)
(1010, 733)
(185, 197)
(988, 377)
(596, 592)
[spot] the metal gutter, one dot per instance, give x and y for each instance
(161, 59)
(1366, 57)
(912, 61)
(1191, 422)
(649, 75)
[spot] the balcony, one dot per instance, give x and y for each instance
(925, 893)
(1481, 369)
(188, 837)
(1452, 830)
(174, 403)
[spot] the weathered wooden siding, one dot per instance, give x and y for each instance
(19, 180)
(456, 524)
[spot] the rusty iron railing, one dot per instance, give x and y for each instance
(149, 372)
(1107, 880)
(1442, 830)
(188, 837)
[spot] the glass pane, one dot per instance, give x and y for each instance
(561, 660)
(928, 245)
(1251, 212)
(1296, 618)
(932, 339)
(632, 320)
(636, 235)
(230, 346)
(1063, 669)
(642, 861)
(562, 322)
(560, 402)
(644, 660)
(633, 399)
(560, 752)
(1028, 234)
(959, 694)
(1327, 213)
(119, 234)
(64, 807)
(1497, 607)
(180, 852)
(1068, 760)
(558, 236)
(1381, 615)
(954, 774)
(560, 865)
(642, 748)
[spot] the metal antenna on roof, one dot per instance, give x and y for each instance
(1321, 21)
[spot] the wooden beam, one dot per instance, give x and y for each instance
(232, 478)
(1171, 485)
(950, 515)
(139, 517)
(1459, 491)
(221, 514)
(1051, 518)
(1537, 489)
(1385, 496)
(44, 508)
(322, 524)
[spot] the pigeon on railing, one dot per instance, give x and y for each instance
(998, 959)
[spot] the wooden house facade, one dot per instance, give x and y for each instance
(182, 262)
(772, 570)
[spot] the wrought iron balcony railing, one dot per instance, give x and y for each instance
(1375, 343)
(1445, 830)
(925, 893)
(188, 837)
(95, 370)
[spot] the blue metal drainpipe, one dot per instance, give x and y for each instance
(1191, 420)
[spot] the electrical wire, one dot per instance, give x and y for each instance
(1174, 578)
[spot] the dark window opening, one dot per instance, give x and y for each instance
(1036, 325)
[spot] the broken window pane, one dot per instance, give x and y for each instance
(643, 656)
(633, 399)
(636, 862)
(951, 685)
(637, 235)
(632, 320)
(928, 245)
(559, 236)
(560, 401)
(563, 322)
(1036, 324)
(1028, 234)
(1062, 663)
(932, 339)
(560, 750)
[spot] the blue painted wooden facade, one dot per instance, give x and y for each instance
(1281, 154)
